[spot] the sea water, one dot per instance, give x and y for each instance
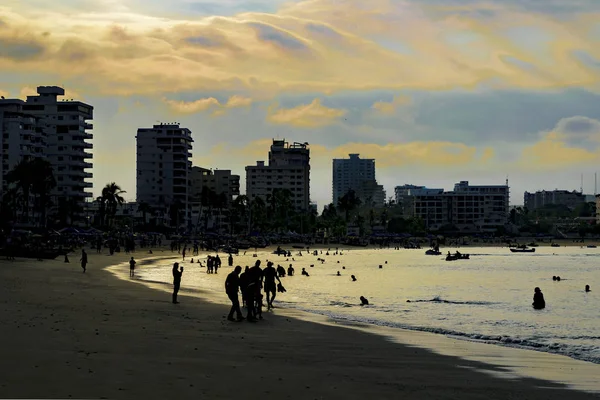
(486, 298)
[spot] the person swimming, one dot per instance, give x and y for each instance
(587, 288)
(364, 301)
(353, 278)
(538, 299)
(304, 272)
(338, 274)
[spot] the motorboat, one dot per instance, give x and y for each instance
(523, 250)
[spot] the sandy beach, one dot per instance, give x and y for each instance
(72, 335)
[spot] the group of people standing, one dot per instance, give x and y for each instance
(251, 283)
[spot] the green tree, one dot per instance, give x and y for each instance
(145, 209)
(348, 203)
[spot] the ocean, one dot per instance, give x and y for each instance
(485, 298)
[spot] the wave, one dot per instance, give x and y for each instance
(438, 299)
(589, 353)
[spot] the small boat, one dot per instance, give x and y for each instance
(454, 257)
(281, 252)
(432, 252)
(591, 246)
(555, 245)
(523, 250)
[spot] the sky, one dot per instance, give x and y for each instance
(436, 91)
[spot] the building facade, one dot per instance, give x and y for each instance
(358, 174)
(57, 130)
(288, 168)
(468, 208)
(164, 168)
(219, 181)
(555, 197)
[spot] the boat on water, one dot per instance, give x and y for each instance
(555, 245)
(432, 252)
(523, 250)
(454, 257)
(591, 246)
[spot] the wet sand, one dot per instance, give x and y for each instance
(66, 334)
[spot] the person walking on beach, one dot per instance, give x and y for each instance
(83, 260)
(177, 272)
(270, 274)
(232, 286)
(217, 263)
(538, 299)
(230, 260)
(131, 267)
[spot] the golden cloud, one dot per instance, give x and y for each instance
(311, 115)
(311, 45)
(209, 103)
(389, 108)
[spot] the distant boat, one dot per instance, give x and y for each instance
(432, 252)
(591, 246)
(454, 257)
(520, 250)
(555, 245)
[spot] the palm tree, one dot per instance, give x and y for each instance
(348, 203)
(22, 177)
(239, 210)
(42, 184)
(111, 198)
(257, 213)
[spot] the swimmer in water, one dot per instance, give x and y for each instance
(364, 301)
(353, 278)
(338, 274)
(538, 299)
(587, 288)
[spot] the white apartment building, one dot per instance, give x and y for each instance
(164, 166)
(219, 181)
(358, 174)
(288, 168)
(469, 208)
(59, 133)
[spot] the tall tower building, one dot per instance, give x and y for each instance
(54, 129)
(164, 168)
(358, 174)
(288, 168)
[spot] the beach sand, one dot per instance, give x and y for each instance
(66, 334)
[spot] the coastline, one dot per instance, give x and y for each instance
(93, 335)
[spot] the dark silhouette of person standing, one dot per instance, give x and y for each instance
(232, 286)
(177, 272)
(230, 260)
(270, 274)
(538, 299)
(84, 260)
(131, 267)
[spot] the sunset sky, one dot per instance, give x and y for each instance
(437, 91)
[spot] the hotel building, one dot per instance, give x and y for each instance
(358, 174)
(557, 197)
(164, 167)
(288, 168)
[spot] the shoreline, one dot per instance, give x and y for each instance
(578, 374)
(92, 335)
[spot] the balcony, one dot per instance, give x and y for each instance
(88, 126)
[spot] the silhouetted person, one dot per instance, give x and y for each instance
(353, 278)
(66, 258)
(558, 278)
(587, 288)
(177, 272)
(338, 273)
(244, 281)
(280, 271)
(538, 299)
(232, 286)
(183, 253)
(84, 260)
(290, 271)
(230, 260)
(270, 275)
(554, 277)
(304, 272)
(131, 267)
(217, 263)
(364, 301)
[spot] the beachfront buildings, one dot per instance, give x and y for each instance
(555, 197)
(164, 168)
(221, 182)
(467, 207)
(288, 168)
(358, 174)
(54, 129)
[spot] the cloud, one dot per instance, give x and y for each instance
(311, 115)
(389, 108)
(209, 103)
(307, 46)
(574, 141)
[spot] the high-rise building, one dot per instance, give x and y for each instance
(358, 174)
(164, 168)
(54, 129)
(288, 168)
